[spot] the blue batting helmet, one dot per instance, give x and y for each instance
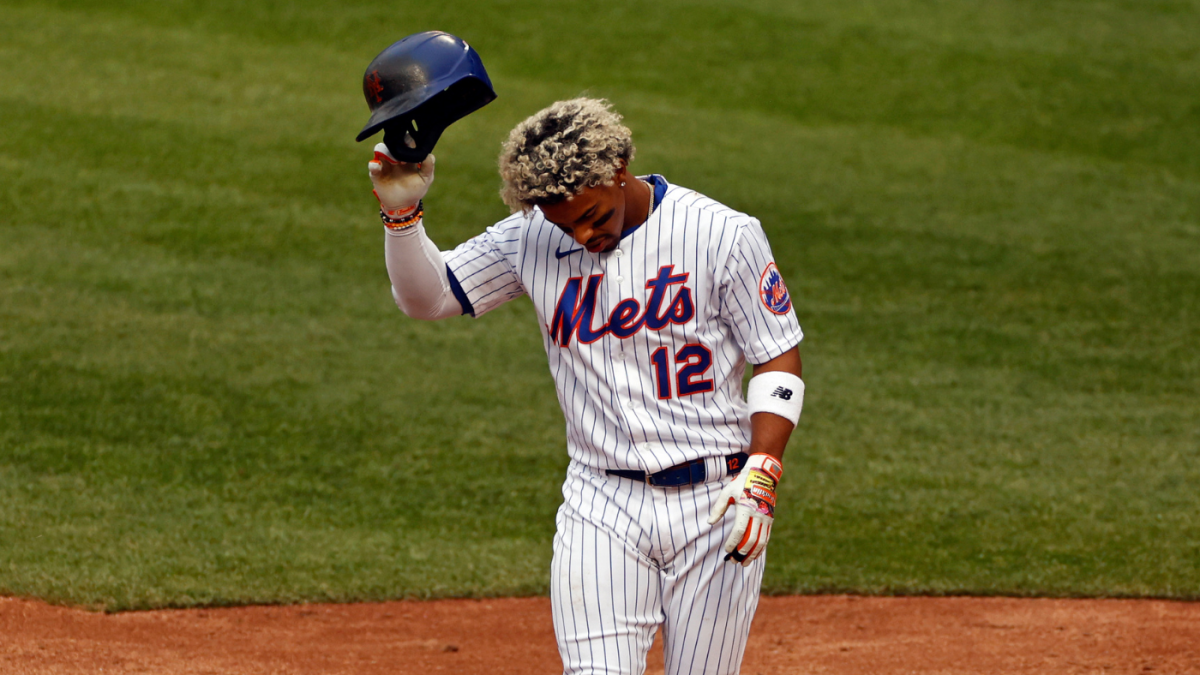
(421, 85)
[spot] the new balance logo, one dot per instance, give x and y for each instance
(783, 393)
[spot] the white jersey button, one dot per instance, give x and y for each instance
(618, 252)
(634, 404)
(618, 279)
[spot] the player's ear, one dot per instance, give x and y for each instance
(622, 173)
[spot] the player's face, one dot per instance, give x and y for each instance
(595, 217)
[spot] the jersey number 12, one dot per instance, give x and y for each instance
(691, 361)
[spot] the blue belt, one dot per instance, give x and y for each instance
(688, 473)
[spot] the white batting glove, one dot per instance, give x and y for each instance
(399, 185)
(753, 493)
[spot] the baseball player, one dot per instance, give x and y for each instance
(651, 299)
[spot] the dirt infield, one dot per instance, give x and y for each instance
(809, 634)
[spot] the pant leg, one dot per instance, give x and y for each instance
(605, 590)
(708, 602)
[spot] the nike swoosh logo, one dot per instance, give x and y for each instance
(560, 254)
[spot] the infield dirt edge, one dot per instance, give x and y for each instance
(792, 634)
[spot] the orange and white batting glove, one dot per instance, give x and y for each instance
(753, 493)
(399, 185)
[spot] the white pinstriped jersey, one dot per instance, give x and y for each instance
(647, 343)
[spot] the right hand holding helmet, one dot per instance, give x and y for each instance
(399, 185)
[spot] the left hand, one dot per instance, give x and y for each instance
(753, 493)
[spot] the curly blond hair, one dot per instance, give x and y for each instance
(557, 152)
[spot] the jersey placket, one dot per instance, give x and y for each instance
(618, 285)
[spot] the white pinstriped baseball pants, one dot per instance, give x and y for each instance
(629, 557)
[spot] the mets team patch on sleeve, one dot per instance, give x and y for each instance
(772, 291)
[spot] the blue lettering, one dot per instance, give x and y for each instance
(682, 310)
(659, 286)
(578, 320)
(573, 315)
(621, 322)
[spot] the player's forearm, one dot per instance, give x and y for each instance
(769, 433)
(415, 266)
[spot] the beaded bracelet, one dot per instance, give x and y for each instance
(407, 220)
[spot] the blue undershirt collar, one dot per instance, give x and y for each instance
(660, 189)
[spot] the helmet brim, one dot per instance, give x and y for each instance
(455, 101)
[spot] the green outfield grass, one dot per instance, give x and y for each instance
(988, 215)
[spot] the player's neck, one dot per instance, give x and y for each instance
(639, 195)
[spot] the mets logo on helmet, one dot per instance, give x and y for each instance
(772, 291)
(375, 84)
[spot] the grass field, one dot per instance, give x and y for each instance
(988, 215)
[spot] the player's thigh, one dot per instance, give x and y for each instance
(605, 593)
(708, 602)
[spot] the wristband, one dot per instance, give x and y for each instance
(776, 392)
(408, 217)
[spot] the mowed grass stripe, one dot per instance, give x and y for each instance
(1107, 79)
(208, 398)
